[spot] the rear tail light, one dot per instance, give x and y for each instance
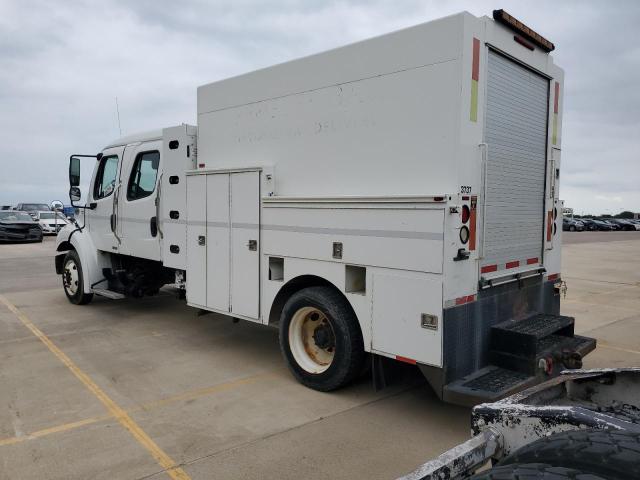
(466, 213)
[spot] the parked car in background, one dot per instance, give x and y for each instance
(51, 222)
(571, 225)
(6, 207)
(602, 226)
(18, 227)
(32, 208)
(589, 224)
(625, 224)
(614, 225)
(69, 212)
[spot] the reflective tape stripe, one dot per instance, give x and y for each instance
(475, 75)
(554, 135)
(406, 360)
(489, 269)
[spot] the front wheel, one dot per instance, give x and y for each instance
(320, 339)
(73, 279)
(572, 228)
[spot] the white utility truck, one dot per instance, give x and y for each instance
(397, 197)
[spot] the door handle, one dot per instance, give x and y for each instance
(201, 240)
(252, 245)
(112, 222)
(153, 226)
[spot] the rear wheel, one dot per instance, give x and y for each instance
(572, 228)
(535, 471)
(611, 454)
(320, 339)
(73, 279)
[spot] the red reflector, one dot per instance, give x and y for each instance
(201, 165)
(553, 276)
(489, 269)
(438, 199)
(465, 198)
(466, 299)
(475, 65)
(466, 213)
(531, 261)
(406, 360)
(513, 264)
(549, 225)
(472, 226)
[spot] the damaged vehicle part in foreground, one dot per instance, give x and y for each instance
(583, 420)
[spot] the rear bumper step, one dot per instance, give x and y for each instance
(487, 385)
(522, 353)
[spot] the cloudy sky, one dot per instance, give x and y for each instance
(63, 63)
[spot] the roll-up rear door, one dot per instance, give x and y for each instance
(516, 135)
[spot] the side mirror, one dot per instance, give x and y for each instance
(74, 171)
(74, 194)
(57, 205)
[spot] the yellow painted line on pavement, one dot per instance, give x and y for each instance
(202, 392)
(170, 466)
(616, 347)
(189, 395)
(50, 430)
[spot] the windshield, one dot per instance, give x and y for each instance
(15, 216)
(49, 216)
(30, 207)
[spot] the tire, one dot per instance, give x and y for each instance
(572, 228)
(611, 454)
(320, 339)
(73, 279)
(534, 471)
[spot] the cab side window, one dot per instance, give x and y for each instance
(106, 177)
(142, 181)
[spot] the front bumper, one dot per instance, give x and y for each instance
(26, 236)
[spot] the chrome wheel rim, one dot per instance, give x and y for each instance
(312, 340)
(70, 277)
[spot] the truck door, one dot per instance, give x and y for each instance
(138, 225)
(101, 218)
(223, 251)
(197, 240)
(516, 135)
(245, 259)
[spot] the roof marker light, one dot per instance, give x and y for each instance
(504, 18)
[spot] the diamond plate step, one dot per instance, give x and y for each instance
(487, 385)
(523, 337)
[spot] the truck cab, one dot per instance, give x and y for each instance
(121, 222)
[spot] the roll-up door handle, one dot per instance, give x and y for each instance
(202, 240)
